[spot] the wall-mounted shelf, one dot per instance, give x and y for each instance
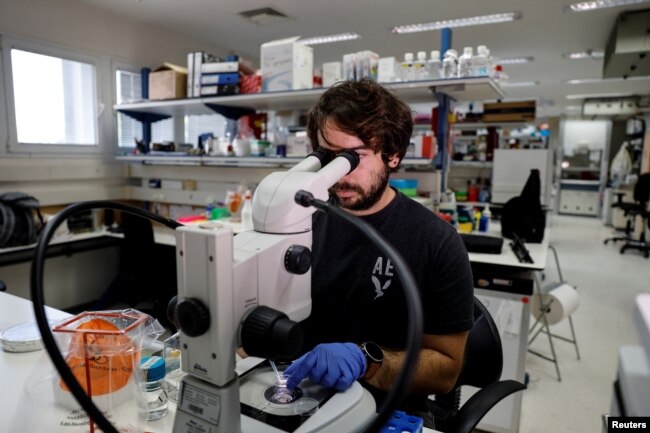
(412, 92)
(472, 164)
(235, 161)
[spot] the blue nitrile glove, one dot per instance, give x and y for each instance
(333, 365)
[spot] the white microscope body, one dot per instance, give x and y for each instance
(223, 280)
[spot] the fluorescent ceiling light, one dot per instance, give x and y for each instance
(606, 80)
(601, 4)
(598, 95)
(513, 60)
(573, 108)
(459, 22)
(520, 83)
(329, 39)
(587, 54)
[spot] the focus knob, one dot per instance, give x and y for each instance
(171, 311)
(193, 317)
(269, 333)
(297, 259)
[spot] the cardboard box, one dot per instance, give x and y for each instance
(516, 111)
(388, 70)
(168, 82)
(286, 65)
(332, 73)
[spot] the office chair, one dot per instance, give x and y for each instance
(482, 369)
(632, 210)
(146, 278)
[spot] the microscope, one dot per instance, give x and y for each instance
(249, 291)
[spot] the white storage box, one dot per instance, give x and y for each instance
(286, 65)
(332, 73)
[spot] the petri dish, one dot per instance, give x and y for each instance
(305, 406)
(23, 337)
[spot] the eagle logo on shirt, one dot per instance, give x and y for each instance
(380, 270)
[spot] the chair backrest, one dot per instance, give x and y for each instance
(642, 189)
(483, 352)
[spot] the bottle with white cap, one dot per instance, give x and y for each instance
(465, 63)
(420, 71)
(406, 70)
(247, 211)
(481, 62)
(433, 65)
(450, 64)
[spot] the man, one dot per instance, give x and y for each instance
(358, 307)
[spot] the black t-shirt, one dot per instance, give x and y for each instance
(356, 293)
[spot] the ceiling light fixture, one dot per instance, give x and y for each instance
(513, 60)
(329, 38)
(520, 83)
(598, 95)
(606, 80)
(601, 4)
(587, 54)
(459, 22)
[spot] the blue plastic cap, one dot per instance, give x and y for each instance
(401, 422)
(152, 368)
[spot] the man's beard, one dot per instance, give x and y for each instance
(365, 200)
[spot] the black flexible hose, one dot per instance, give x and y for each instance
(36, 287)
(413, 307)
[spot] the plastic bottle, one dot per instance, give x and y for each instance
(173, 371)
(420, 71)
(152, 370)
(465, 63)
(247, 211)
(481, 62)
(499, 76)
(450, 64)
(484, 223)
(406, 69)
(433, 65)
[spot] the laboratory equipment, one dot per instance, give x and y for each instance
(250, 290)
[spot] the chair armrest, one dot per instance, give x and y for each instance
(480, 403)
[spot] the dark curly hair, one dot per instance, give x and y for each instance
(365, 110)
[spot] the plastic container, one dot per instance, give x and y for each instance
(247, 211)
(408, 187)
(465, 63)
(152, 371)
(481, 62)
(450, 64)
(173, 371)
(433, 65)
(484, 223)
(407, 69)
(420, 71)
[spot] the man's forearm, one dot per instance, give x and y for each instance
(436, 373)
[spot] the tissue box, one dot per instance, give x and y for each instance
(168, 82)
(286, 65)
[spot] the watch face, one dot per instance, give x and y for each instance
(374, 352)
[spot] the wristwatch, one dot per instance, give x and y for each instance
(374, 357)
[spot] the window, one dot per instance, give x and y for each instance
(55, 100)
(129, 89)
(201, 124)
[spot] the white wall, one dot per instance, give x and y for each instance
(74, 25)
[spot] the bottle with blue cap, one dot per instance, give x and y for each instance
(152, 375)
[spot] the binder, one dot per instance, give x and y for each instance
(196, 81)
(219, 90)
(213, 79)
(219, 67)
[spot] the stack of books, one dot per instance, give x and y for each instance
(212, 76)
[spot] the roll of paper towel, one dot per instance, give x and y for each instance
(564, 299)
